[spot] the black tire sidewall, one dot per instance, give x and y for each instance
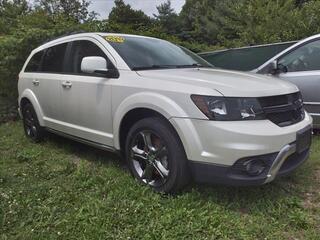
(39, 133)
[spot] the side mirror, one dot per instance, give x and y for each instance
(98, 65)
(277, 68)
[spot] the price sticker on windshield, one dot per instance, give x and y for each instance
(115, 39)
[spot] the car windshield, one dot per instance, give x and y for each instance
(148, 53)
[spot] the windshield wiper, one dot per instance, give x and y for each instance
(194, 65)
(197, 65)
(153, 67)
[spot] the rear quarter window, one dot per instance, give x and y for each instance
(34, 63)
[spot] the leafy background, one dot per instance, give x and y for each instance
(201, 25)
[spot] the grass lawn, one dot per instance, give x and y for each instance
(64, 190)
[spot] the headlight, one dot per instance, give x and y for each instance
(229, 108)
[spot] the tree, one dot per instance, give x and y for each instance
(258, 22)
(167, 18)
(76, 10)
(203, 20)
(9, 12)
(244, 22)
(124, 14)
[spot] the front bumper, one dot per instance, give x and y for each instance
(214, 148)
(282, 163)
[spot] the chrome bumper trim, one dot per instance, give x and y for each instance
(285, 152)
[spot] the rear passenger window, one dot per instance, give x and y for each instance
(54, 58)
(83, 49)
(34, 63)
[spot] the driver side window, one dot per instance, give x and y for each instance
(305, 58)
(81, 49)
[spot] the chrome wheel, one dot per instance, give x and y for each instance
(149, 156)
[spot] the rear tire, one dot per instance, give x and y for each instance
(155, 155)
(31, 125)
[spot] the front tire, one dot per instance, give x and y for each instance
(31, 125)
(155, 155)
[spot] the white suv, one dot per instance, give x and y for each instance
(172, 115)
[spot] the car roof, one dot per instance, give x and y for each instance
(88, 34)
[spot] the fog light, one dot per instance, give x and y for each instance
(255, 167)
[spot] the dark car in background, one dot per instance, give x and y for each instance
(297, 62)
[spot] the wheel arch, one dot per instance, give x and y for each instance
(142, 105)
(29, 96)
(134, 116)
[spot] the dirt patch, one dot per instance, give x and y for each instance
(76, 160)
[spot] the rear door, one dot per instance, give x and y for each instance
(303, 65)
(46, 68)
(86, 98)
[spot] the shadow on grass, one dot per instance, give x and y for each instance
(88, 152)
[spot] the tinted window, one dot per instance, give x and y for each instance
(139, 52)
(53, 59)
(83, 49)
(305, 58)
(34, 63)
(244, 59)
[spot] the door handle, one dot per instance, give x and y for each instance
(35, 82)
(66, 84)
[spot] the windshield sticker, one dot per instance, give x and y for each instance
(115, 39)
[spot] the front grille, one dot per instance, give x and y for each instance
(283, 110)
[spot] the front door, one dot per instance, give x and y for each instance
(303, 65)
(86, 98)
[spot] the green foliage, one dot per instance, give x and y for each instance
(167, 18)
(75, 10)
(123, 13)
(233, 23)
(9, 10)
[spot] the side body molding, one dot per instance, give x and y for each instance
(153, 101)
(27, 93)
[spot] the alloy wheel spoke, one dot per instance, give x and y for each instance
(138, 153)
(149, 156)
(161, 169)
(147, 141)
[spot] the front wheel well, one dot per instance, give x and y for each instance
(23, 102)
(134, 116)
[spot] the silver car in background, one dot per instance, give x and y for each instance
(299, 64)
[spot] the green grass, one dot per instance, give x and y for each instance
(64, 190)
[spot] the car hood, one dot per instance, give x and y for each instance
(228, 83)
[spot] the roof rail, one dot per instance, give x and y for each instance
(64, 35)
